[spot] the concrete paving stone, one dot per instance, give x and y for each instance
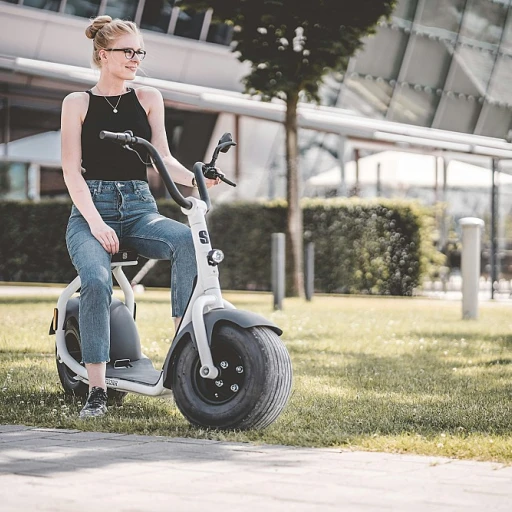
(138, 473)
(29, 467)
(23, 454)
(300, 491)
(12, 428)
(91, 436)
(146, 438)
(57, 430)
(191, 440)
(20, 435)
(32, 443)
(106, 444)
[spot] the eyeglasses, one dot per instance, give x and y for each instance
(129, 53)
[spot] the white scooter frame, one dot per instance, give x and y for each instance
(227, 368)
(206, 295)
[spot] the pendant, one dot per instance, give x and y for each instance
(115, 111)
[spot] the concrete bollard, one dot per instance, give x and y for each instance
(278, 268)
(309, 266)
(470, 265)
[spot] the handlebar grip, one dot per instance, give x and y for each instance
(124, 137)
(225, 180)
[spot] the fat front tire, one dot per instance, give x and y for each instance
(71, 386)
(253, 385)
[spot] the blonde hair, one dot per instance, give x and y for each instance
(104, 30)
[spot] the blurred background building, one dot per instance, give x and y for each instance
(442, 66)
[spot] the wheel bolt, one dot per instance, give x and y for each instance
(219, 383)
(234, 388)
(224, 364)
(239, 369)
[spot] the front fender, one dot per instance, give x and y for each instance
(244, 319)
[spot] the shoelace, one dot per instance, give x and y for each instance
(97, 397)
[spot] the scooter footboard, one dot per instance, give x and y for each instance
(244, 319)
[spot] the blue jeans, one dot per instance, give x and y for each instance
(129, 208)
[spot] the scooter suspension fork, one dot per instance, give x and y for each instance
(207, 370)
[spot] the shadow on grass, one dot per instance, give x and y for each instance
(411, 393)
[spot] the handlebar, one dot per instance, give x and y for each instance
(200, 169)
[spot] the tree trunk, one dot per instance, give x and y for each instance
(294, 217)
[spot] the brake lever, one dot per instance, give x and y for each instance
(212, 174)
(225, 180)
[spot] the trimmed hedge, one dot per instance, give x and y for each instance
(361, 246)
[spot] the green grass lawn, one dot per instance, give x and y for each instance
(397, 375)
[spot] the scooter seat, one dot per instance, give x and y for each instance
(125, 256)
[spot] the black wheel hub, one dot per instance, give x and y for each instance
(228, 383)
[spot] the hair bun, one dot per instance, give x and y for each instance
(96, 25)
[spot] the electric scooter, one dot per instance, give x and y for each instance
(226, 368)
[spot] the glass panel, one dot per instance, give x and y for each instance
(495, 121)
(13, 180)
(330, 88)
(435, 53)
(156, 15)
(500, 89)
(441, 18)
(49, 5)
(413, 107)
(483, 23)
(405, 9)
(83, 8)
(459, 115)
(471, 71)
(382, 54)
(375, 94)
(189, 24)
(220, 33)
(506, 41)
(123, 9)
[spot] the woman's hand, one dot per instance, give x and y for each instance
(212, 182)
(106, 236)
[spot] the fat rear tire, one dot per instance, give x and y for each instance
(253, 386)
(71, 386)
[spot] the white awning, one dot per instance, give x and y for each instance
(357, 129)
(43, 148)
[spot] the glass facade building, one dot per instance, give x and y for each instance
(156, 15)
(439, 63)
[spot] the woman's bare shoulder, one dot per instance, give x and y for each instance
(148, 94)
(76, 101)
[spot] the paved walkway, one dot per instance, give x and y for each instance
(7, 290)
(73, 471)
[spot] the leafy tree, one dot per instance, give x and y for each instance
(291, 46)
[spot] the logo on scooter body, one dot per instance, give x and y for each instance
(111, 382)
(203, 237)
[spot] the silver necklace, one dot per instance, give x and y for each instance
(114, 109)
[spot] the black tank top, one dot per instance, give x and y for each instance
(105, 160)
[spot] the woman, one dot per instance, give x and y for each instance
(108, 185)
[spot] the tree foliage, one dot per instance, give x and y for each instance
(291, 45)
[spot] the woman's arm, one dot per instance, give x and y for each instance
(152, 101)
(74, 108)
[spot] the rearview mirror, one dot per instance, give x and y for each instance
(225, 142)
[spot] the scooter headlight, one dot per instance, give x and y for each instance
(215, 256)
